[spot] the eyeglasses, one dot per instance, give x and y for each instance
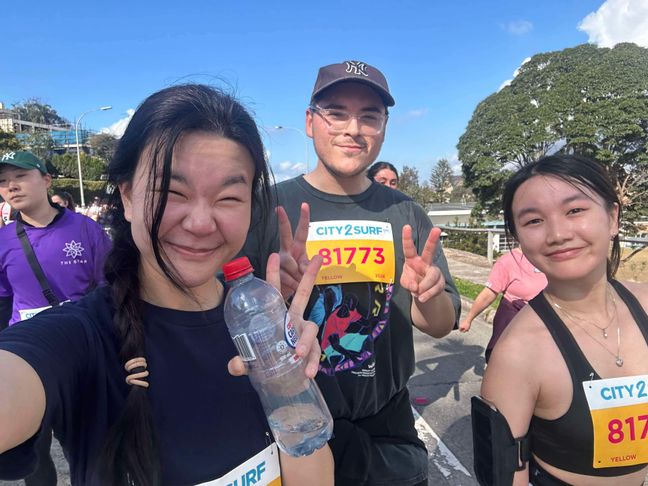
(369, 123)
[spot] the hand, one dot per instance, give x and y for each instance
(464, 326)
(292, 251)
(420, 276)
(307, 346)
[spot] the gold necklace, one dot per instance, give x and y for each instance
(591, 321)
(618, 359)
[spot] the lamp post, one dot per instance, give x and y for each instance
(78, 151)
(279, 127)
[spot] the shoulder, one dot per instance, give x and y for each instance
(639, 290)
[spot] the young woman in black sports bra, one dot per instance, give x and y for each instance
(572, 368)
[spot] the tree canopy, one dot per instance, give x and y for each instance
(8, 141)
(66, 165)
(587, 100)
(35, 111)
(104, 145)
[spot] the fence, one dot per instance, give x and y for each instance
(497, 240)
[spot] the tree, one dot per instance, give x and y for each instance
(40, 144)
(67, 166)
(441, 180)
(8, 141)
(408, 183)
(103, 145)
(585, 100)
(35, 111)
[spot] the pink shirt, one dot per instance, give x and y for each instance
(516, 277)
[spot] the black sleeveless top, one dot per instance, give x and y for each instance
(568, 442)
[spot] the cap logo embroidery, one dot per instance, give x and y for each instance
(356, 67)
(8, 155)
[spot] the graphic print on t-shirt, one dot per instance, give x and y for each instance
(354, 292)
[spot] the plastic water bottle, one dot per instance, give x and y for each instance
(265, 338)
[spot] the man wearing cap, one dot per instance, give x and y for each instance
(48, 256)
(382, 272)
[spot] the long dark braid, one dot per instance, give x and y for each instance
(131, 454)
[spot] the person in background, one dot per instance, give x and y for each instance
(383, 272)
(64, 199)
(188, 171)
(48, 256)
(572, 367)
(7, 214)
(383, 173)
(515, 277)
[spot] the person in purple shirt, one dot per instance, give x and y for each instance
(69, 247)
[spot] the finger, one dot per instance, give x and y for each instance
(431, 287)
(302, 295)
(301, 232)
(285, 230)
(236, 366)
(273, 271)
(409, 250)
(308, 341)
(430, 245)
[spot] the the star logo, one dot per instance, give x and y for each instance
(73, 249)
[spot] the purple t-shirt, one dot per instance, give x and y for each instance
(71, 251)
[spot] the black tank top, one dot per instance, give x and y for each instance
(568, 442)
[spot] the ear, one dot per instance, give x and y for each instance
(125, 195)
(48, 180)
(309, 123)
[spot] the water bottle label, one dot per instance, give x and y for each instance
(290, 332)
(244, 347)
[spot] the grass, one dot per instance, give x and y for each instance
(471, 290)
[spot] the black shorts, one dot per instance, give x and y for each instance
(540, 477)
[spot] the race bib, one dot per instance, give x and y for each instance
(352, 251)
(260, 470)
(619, 409)
(29, 313)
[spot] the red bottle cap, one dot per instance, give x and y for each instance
(237, 268)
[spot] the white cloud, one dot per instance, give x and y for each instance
(617, 21)
(287, 170)
(515, 73)
(519, 27)
(117, 129)
(411, 115)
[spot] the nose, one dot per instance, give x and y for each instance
(558, 231)
(353, 127)
(200, 219)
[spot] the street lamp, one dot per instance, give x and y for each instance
(76, 132)
(279, 127)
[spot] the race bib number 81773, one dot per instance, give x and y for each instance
(352, 251)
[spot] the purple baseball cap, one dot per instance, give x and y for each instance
(357, 71)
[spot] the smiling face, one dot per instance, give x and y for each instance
(563, 229)
(206, 218)
(24, 189)
(346, 154)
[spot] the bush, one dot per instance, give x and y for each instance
(472, 242)
(91, 189)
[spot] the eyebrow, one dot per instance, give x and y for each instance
(567, 200)
(229, 181)
(335, 106)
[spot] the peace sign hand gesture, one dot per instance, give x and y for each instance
(292, 251)
(307, 346)
(420, 276)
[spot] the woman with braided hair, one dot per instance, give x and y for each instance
(139, 378)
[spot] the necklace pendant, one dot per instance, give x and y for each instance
(619, 361)
(605, 333)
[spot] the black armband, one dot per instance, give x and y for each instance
(497, 454)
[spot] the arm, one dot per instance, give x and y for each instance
(313, 470)
(22, 401)
(432, 309)
(511, 385)
(485, 298)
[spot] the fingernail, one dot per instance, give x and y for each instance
(301, 349)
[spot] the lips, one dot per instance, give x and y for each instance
(191, 251)
(564, 254)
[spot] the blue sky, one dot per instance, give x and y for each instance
(440, 58)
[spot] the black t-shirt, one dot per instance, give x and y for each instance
(207, 421)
